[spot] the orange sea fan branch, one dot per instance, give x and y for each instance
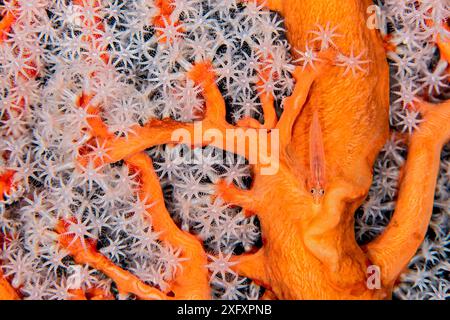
(191, 280)
(125, 281)
(7, 292)
(406, 231)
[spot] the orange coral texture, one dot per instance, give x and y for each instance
(331, 131)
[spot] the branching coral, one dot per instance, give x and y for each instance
(105, 193)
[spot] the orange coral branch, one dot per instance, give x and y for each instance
(77, 294)
(444, 48)
(98, 294)
(6, 183)
(306, 234)
(293, 105)
(7, 292)
(274, 5)
(267, 103)
(406, 231)
(203, 75)
(443, 44)
(6, 24)
(249, 122)
(252, 265)
(269, 295)
(125, 281)
(157, 132)
(236, 196)
(90, 294)
(166, 8)
(191, 281)
(266, 98)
